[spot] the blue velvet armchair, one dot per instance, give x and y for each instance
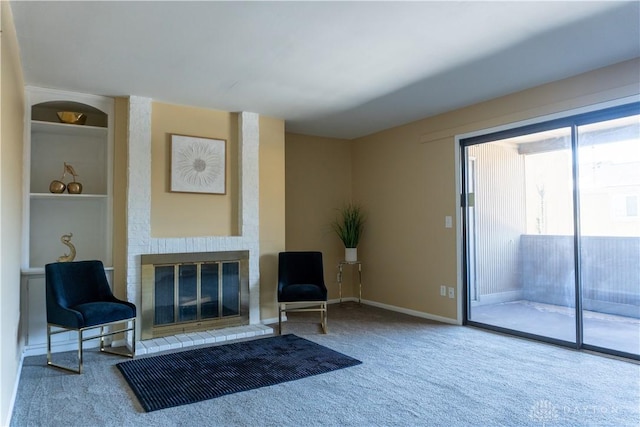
(79, 298)
(301, 285)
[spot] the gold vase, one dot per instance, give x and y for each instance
(57, 187)
(74, 187)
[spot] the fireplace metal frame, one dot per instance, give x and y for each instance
(148, 266)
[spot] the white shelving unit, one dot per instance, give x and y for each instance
(88, 216)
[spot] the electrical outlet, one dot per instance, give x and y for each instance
(443, 291)
(452, 292)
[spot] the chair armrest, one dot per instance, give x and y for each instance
(119, 301)
(64, 316)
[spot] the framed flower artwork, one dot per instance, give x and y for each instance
(198, 165)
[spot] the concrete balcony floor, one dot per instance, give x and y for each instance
(602, 330)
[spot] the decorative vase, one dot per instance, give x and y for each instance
(351, 254)
(74, 187)
(57, 187)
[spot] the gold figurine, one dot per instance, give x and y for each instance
(66, 240)
(72, 187)
(58, 186)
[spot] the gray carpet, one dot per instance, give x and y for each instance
(414, 373)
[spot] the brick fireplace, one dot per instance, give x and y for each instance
(139, 238)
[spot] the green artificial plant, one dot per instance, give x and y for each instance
(349, 225)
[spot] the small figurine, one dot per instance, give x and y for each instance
(58, 186)
(72, 187)
(66, 240)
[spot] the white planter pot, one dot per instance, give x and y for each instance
(351, 254)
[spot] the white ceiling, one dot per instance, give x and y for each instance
(340, 69)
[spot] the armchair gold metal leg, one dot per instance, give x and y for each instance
(322, 309)
(101, 338)
(81, 340)
(130, 354)
(48, 344)
(133, 339)
(323, 318)
(49, 357)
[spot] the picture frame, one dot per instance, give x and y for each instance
(198, 164)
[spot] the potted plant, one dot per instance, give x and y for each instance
(349, 227)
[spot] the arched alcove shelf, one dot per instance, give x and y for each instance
(48, 112)
(87, 148)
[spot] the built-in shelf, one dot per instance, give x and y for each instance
(50, 145)
(40, 271)
(62, 196)
(53, 128)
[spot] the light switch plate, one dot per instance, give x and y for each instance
(448, 221)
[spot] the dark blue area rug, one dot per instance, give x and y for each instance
(191, 376)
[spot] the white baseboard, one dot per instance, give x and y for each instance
(39, 349)
(402, 310)
(345, 299)
(14, 394)
(70, 344)
(120, 343)
(273, 320)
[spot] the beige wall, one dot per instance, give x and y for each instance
(272, 211)
(191, 214)
(11, 136)
(318, 182)
(407, 189)
(405, 179)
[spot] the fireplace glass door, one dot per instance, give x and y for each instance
(198, 291)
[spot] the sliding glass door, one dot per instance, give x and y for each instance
(523, 241)
(609, 168)
(552, 230)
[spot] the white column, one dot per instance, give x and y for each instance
(138, 192)
(249, 221)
